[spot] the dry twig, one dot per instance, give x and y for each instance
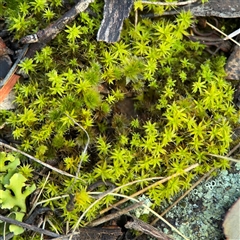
(28, 226)
(145, 228)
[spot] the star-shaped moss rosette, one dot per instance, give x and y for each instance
(14, 190)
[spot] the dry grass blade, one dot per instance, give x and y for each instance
(225, 157)
(37, 160)
(225, 35)
(40, 193)
(52, 199)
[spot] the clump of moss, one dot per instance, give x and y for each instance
(184, 107)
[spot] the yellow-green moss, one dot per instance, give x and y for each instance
(184, 105)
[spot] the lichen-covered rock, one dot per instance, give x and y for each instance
(217, 8)
(200, 214)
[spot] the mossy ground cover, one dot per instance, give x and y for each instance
(182, 106)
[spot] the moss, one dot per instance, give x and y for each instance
(183, 105)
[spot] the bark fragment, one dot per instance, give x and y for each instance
(115, 12)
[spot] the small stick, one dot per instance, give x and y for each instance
(44, 36)
(27, 226)
(153, 212)
(146, 228)
(233, 150)
(47, 34)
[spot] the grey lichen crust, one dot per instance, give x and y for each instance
(200, 215)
